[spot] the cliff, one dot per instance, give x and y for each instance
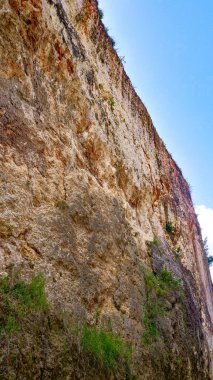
(91, 199)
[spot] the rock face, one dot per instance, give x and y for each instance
(90, 196)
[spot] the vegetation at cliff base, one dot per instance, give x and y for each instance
(31, 329)
(19, 298)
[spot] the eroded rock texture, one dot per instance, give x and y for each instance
(86, 182)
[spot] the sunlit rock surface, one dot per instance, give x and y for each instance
(86, 183)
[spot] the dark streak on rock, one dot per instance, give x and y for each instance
(77, 47)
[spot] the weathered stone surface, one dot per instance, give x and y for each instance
(86, 182)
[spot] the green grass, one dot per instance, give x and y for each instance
(158, 288)
(106, 347)
(20, 299)
(161, 283)
(12, 324)
(151, 331)
(31, 296)
(24, 308)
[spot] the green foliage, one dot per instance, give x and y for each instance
(97, 315)
(157, 243)
(151, 330)
(205, 246)
(158, 288)
(105, 347)
(167, 280)
(11, 324)
(101, 14)
(170, 228)
(21, 299)
(25, 317)
(162, 282)
(177, 251)
(62, 204)
(210, 260)
(112, 41)
(112, 102)
(206, 250)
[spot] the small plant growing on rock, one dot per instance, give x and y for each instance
(105, 346)
(20, 299)
(206, 250)
(112, 41)
(169, 228)
(155, 242)
(177, 252)
(62, 204)
(112, 103)
(210, 260)
(101, 14)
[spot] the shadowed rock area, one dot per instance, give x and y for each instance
(91, 200)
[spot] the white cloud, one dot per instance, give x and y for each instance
(205, 217)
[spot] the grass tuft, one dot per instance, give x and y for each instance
(105, 347)
(158, 288)
(21, 299)
(25, 317)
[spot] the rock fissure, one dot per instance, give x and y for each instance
(77, 48)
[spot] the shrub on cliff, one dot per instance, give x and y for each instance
(101, 14)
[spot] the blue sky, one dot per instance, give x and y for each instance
(168, 48)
